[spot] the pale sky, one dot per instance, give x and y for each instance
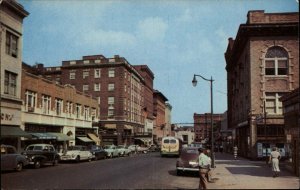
(175, 38)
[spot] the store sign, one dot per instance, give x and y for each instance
(10, 116)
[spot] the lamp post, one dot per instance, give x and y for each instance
(211, 115)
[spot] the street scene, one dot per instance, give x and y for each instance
(148, 171)
(150, 94)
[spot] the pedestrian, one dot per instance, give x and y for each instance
(274, 160)
(208, 175)
(203, 162)
(235, 150)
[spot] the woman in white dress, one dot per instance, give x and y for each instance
(274, 160)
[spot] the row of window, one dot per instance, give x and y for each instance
(97, 73)
(71, 108)
(97, 87)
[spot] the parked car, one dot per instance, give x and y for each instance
(111, 150)
(11, 160)
(41, 154)
(187, 160)
(97, 151)
(138, 149)
(123, 150)
(76, 153)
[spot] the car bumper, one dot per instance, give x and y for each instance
(187, 169)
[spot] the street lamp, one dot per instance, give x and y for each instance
(211, 115)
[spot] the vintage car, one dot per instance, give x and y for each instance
(111, 150)
(123, 150)
(41, 154)
(11, 160)
(97, 151)
(138, 149)
(187, 160)
(76, 153)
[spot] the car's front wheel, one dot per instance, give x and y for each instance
(78, 159)
(19, 167)
(178, 172)
(37, 164)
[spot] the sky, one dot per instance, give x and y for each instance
(175, 38)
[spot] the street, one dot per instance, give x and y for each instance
(142, 171)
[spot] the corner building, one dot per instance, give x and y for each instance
(11, 39)
(262, 65)
(117, 86)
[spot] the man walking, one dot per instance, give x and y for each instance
(203, 162)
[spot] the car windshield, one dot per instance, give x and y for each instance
(121, 146)
(107, 147)
(74, 148)
(34, 148)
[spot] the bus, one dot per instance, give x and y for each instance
(170, 146)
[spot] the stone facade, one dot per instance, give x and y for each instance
(262, 64)
(11, 30)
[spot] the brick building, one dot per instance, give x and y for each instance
(291, 112)
(159, 111)
(118, 88)
(262, 65)
(202, 126)
(55, 113)
(11, 39)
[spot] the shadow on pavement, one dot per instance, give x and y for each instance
(184, 174)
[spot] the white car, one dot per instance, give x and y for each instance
(138, 149)
(76, 153)
(123, 150)
(111, 150)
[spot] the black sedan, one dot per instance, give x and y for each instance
(98, 152)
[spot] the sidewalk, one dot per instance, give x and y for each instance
(246, 174)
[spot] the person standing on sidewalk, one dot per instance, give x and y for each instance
(203, 162)
(235, 149)
(208, 175)
(274, 160)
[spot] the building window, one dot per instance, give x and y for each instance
(46, 104)
(110, 114)
(69, 109)
(72, 75)
(276, 61)
(11, 44)
(111, 100)
(78, 110)
(85, 87)
(86, 112)
(85, 73)
(97, 87)
(111, 87)
(99, 100)
(58, 106)
(10, 83)
(97, 73)
(93, 114)
(111, 72)
(273, 104)
(30, 100)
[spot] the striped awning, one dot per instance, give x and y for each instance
(128, 127)
(94, 138)
(85, 139)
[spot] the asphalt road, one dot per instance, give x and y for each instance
(143, 171)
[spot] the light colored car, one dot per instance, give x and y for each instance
(76, 153)
(138, 149)
(11, 160)
(111, 150)
(123, 150)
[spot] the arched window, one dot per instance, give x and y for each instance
(276, 61)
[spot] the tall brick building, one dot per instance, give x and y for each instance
(262, 65)
(159, 111)
(118, 88)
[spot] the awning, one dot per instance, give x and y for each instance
(128, 127)
(13, 132)
(43, 136)
(61, 136)
(85, 139)
(110, 126)
(94, 138)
